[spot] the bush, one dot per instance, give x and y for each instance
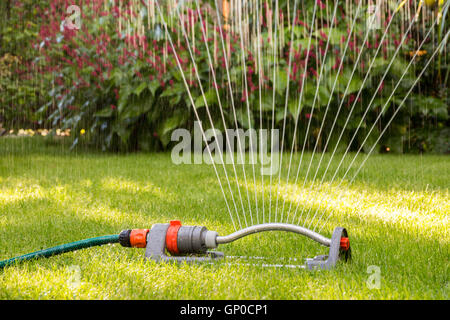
(21, 91)
(117, 78)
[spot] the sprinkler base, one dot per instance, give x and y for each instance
(339, 249)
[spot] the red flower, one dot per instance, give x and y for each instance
(351, 98)
(322, 6)
(381, 86)
(244, 96)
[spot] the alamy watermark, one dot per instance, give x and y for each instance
(73, 22)
(74, 280)
(374, 280)
(250, 147)
(373, 21)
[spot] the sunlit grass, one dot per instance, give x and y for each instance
(419, 211)
(396, 212)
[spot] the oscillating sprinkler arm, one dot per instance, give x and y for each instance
(274, 227)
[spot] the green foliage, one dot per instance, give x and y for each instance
(21, 92)
(124, 88)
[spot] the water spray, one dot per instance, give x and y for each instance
(173, 242)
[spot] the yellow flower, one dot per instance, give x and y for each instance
(418, 53)
(82, 131)
(430, 3)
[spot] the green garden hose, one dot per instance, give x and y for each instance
(77, 245)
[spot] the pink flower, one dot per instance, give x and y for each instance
(300, 22)
(338, 62)
(244, 96)
(322, 6)
(351, 98)
(381, 86)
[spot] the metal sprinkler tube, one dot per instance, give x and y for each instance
(274, 227)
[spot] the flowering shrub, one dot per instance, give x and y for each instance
(117, 76)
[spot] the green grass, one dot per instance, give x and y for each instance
(396, 212)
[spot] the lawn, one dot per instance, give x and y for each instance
(396, 212)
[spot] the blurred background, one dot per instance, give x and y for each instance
(112, 82)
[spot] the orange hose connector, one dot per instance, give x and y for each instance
(138, 238)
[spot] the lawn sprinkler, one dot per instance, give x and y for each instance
(172, 242)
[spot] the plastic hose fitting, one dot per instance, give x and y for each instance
(179, 239)
(124, 238)
(136, 238)
(189, 239)
(172, 236)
